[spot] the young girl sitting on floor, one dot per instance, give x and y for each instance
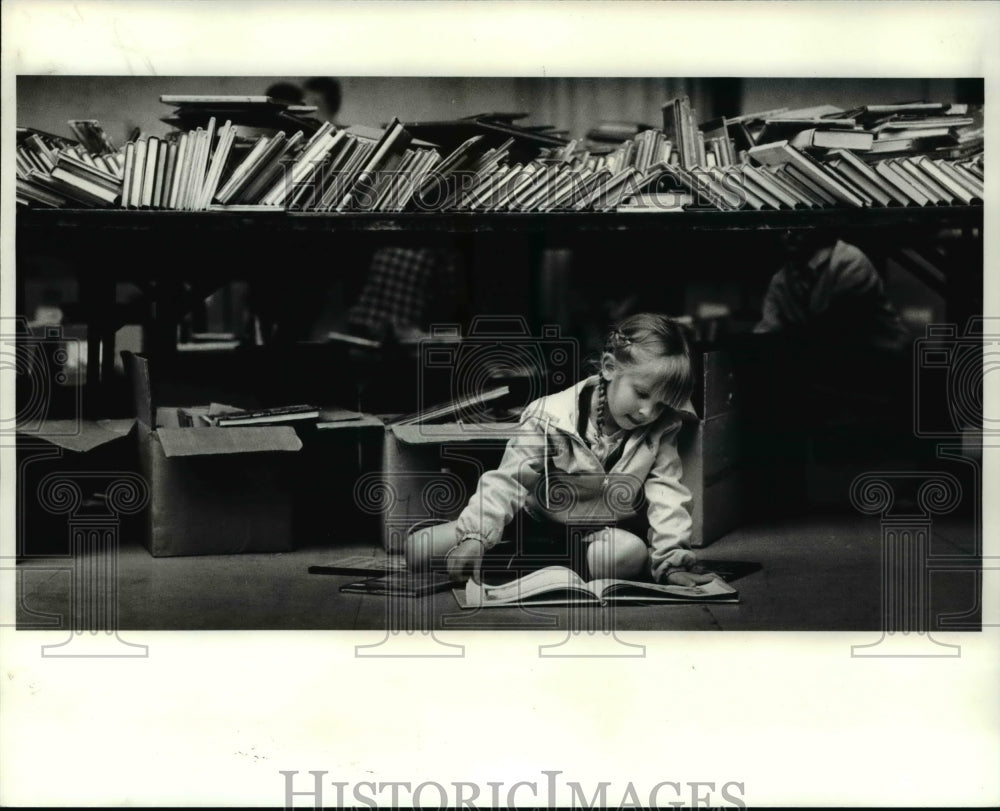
(593, 478)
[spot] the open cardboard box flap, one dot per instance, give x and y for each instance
(80, 436)
(216, 441)
(453, 432)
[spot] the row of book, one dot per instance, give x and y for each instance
(365, 169)
(779, 176)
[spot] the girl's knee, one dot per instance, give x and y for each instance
(617, 553)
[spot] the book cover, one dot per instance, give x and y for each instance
(371, 565)
(452, 407)
(401, 584)
(266, 416)
(100, 195)
(858, 140)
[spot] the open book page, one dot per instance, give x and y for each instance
(618, 590)
(557, 585)
(555, 580)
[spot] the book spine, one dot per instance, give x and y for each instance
(161, 168)
(138, 172)
(179, 164)
(149, 172)
(932, 190)
(218, 163)
(99, 194)
(962, 180)
(193, 140)
(892, 176)
(127, 173)
(236, 178)
(864, 169)
(168, 174)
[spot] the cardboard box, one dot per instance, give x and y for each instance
(212, 490)
(85, 456)
(710, 456)
(328, 502)
(431, 472)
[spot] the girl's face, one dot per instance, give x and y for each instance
(635, 390)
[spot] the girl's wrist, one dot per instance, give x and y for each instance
(463, 540)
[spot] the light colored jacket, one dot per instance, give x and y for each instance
(549, 470)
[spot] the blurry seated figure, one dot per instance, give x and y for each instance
(827, 379)
(405, 292)
(831, 293)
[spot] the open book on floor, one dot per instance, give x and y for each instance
(557, 585)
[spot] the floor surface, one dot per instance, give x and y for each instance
(819, 573)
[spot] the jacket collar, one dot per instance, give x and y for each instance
(562, 408)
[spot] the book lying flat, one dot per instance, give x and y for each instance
(265, 416)
(362, 565)
(557, 585)
(832, 139)
(453, 407)
(401, 584)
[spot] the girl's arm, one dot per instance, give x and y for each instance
(669, 520)
(502, 492)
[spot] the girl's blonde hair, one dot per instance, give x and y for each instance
(658, 337)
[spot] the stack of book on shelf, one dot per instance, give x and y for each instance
(53, 172)
(876, 156)
(931, 128)
(252, 112)
(876, 130)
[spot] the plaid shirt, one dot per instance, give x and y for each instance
(406, 288)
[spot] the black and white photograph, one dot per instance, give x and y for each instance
(359, 399)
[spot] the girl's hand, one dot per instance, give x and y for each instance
(466, 560)
(681, 578)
